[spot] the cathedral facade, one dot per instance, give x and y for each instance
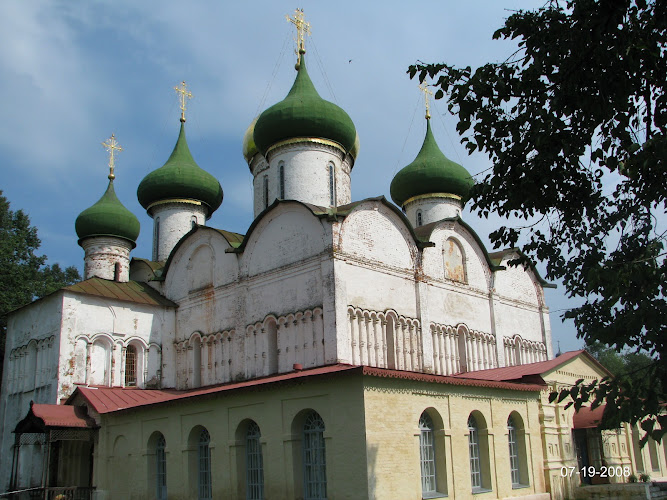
(337, 349)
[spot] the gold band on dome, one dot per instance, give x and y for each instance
(431, 195)
(297, 140)
(174, 200)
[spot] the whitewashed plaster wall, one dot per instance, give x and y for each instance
(30, 370)
(306, 175)
(96, 330)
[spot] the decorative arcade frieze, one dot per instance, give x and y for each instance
(385, 340)
(519, 351)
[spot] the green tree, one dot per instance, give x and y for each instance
(24, 276)
(574, 123)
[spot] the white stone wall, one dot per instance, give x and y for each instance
(172, 221)
(306, 175)
(432, 209)
(102, 253)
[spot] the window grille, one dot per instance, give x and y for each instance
(204, 463)
(473, 449)
(266, 191)
(130, 366)
(281, 180)
(161, 469)
(254, 464)
(427, 455)
(332, 186)
(514, 452)
(314, 459)
(419, 217)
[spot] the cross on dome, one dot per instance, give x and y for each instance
(302, 29)
(112, 146)
(184, 94)
(424, 88)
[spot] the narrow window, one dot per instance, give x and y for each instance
(473, 449)
(204, 466)
(156, 238)
(130, 366)
(427, 455)
(161, 469)
(419, 218)
(194, 221)
(515, 467)
(281, 180)
(314, 460)
(254, 464)
(332, 185)
(266, 191)
(116, 271)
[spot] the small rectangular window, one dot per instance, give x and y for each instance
(266, 191)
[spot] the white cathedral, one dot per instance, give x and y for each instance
(338, 349)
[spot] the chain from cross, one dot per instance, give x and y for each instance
(112, 146)
(302, 29)
(184, 94)
(424, 88)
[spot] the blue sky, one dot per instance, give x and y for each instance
(73, 72)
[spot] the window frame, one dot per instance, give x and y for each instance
(474, 455)
(254, 463)
(281, 180)
(131, 378)
(160, 468)
(204, 483)
(314, 458)
(427, 456)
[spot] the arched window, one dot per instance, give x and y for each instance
(254, 463)
(194, 221)
(160, 469)
(427, 455)
(478, 450)
(419, 218)
(281, 180)
(130, 366)
(205, 491)
(265, 189)
(514, 452)
(332, 185)
(314, 458)
(473, 450)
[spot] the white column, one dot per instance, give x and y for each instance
(377, 343)
(355, 337)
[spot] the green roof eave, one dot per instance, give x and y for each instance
(426, 230)
(233, 239)
(499, 255)
(332, 214)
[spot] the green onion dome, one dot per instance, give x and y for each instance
(180, 178)
(249, 146)
(431, 172)
(108, 217)
(303, 113)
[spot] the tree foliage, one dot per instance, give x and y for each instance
(24, 276)
(574, 123)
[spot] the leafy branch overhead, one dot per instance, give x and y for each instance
(574, 123)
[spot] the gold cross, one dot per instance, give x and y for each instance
(112, 146)
(424, 88)
(185, 94)
(302, 29)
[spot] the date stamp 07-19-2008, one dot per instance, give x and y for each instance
(591, 471)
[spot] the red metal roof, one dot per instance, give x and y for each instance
(131, 291)
(61, 415)
(518, 372)
(586, 418)
(111, 399)
(452, 380)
